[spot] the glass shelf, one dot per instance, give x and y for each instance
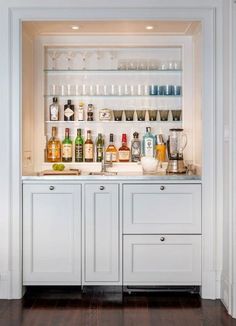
(114, 96)
(113, 121)
(68, 71)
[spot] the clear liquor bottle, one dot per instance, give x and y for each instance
(135, 148)
(149, 143)
(54, 110)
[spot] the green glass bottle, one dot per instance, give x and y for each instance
(79, 147)
(67, 147)
(99, 148)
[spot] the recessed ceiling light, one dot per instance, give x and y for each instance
(74, 27)
(149, 27)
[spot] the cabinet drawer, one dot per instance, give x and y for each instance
(162, 208)
(162, 259)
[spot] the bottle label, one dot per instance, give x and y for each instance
(54, 116)
(124, 155)
(88, 151)
(99, 154)
(148, 147)
(66, 150)
(68, 112)
(80, 115)
(78, 152)
(136, 148)
(110, 157)
(54, 152)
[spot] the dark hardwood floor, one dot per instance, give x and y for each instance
(100, 307)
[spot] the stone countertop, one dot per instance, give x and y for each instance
(121, 176)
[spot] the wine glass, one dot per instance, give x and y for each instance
(54, 55)
(85, 55)
(70, 55)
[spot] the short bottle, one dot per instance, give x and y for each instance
(54, 147)
(111, 151)
(99, 148)
(88, 148)
(124, 151)
(90, 112)
(69, 111)
(79, 147)
(149, 143)
(67, 147)
(135, 148)
(54, 110)
(80, 112)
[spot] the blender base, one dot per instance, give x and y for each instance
(176, 166)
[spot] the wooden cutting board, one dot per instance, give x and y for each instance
(65, 172)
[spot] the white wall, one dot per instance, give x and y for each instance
(6, 157)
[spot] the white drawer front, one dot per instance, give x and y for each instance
(148, 260)
(159, 208)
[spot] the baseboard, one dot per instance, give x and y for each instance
(4, 285)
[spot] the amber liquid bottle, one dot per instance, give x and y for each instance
(88, 148)
(124, 151)
(111, 151)
(54, 147)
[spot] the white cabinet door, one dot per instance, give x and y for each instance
(52, 234)
(101, 227)
(162, 260)
(157, 208)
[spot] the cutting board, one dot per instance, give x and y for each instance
(65, 172)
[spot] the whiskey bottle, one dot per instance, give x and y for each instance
(79, 147)
(99, 148)
(54, 110)
(67, 147)
(124, 151)
(135, 148)
(54, 147)
(88, 148)
(149, 143)
(69, 111)
(111, 151)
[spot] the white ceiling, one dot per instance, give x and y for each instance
(110, 27)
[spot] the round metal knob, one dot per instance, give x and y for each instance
(51, 187)
(162, 188)
(102, 187)
(162, 239)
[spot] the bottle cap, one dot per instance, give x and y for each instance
(148, 129)
(124, 138)
(78, 131)
(111, 138)
(69, 102)
(54, 99)
(67, 131)
(135, 134)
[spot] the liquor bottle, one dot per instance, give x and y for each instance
(80, 112)
(54, 110)
(88, 148)
(149, 143)
(160, 149)
(69, 111)
(99, 148)
(124, 151)
(135, 148)
(79, 147)
(111, 151)
(54, 147)
(90, 112)
(67, 147)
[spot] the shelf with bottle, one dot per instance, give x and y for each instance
(112, 71)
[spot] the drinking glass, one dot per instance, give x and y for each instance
(164, 115)
(176, 115)
(167, 90)
(152, 90)
(129, 115)
(118, 115)
(177, 90)
(54, 55)
(70, 55)
(141, 115)
(152, 114)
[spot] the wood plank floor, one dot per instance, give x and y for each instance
(70, 307)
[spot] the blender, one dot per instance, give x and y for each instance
(176, 143)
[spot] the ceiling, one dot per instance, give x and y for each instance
(111, 27)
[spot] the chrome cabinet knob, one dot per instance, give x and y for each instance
(51, 187)
(102, 188)
(162, 239)
(162, 188)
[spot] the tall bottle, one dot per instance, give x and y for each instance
(111, 151)
(69, 111)
(135, 148)
(67, 147)
(99, 148)
(54, 110)
(54, 147)
(79, 147)
(88, 148)
(80, 112)
(124, 151)
(149, 143)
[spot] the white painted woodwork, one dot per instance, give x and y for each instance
(174, 261)
(101, 227)
(52, 234)
(162, 208)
